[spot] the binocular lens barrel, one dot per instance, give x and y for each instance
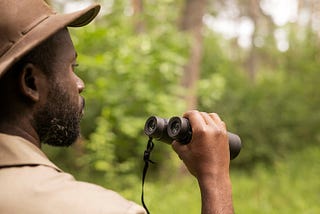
(156, 127)
(179, 128)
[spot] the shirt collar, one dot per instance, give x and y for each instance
(17, 151)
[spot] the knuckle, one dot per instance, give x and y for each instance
(223, 124)
(220, 133)
(202, 131)
(193, 111)
(190, 112)
(213, 114)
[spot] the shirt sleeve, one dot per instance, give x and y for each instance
(41, 189)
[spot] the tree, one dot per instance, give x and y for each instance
(191, 22)
(137, 7)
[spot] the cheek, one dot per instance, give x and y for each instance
(69, 89)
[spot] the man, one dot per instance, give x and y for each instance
(41, 103)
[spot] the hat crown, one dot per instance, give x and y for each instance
(18, 17)
(24, 24)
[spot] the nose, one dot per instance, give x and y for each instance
(80, 84)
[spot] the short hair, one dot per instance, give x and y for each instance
(42, 55)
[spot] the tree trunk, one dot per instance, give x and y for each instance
(191, 21)
(252, 58)
(137, 6)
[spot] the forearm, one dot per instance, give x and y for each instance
(216, 195)
(207, 158)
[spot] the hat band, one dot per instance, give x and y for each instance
(11, 43)
(34, 24)
(5, 48)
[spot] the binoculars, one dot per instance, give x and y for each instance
(179, 128)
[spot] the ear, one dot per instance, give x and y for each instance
(30, 80)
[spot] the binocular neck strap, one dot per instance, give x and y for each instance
(146, 159)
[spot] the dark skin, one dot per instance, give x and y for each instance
(29, 93)
(30, 86)
(206, 156)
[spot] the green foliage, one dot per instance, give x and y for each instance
(275, 115)
(129, 76)
(290, 186)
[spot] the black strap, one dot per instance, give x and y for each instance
(146, 159)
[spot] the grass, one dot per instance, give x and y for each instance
(292, 186)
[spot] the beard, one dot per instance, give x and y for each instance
(58, 122)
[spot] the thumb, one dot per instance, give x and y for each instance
(179, 148)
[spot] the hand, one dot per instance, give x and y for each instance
(207, 154)
(207, 157)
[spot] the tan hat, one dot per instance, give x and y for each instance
(26, 23)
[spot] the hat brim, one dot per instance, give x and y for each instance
(44, 30)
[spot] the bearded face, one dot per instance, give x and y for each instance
(58, 114)
(58, 122)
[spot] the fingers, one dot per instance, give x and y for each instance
(203, 118)
(195, 117)
(215, 117)
(207, 149)
(179, 148)
(208, 119)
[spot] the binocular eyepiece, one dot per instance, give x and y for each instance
(179, 128)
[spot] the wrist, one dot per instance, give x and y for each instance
(216, 194)
(215, 179)
(219, 173)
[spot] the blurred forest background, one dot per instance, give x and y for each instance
(255, 63)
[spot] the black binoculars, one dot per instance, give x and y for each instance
(179, 128)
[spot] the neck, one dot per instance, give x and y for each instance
(21, 130)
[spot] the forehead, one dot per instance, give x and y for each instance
(64, 46)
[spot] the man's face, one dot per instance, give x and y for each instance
(58, 120)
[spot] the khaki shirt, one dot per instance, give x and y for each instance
(31, 184)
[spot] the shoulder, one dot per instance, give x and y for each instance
(44, 189)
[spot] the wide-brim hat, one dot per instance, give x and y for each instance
(24, 24)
